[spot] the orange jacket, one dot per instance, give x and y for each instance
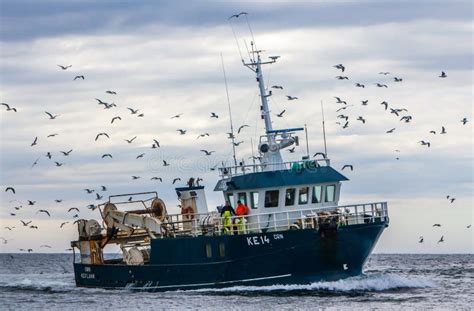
(241, 210)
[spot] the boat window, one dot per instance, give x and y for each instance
(254, 200)
(317, 191)
(208, 250)
(271, 198)
(290, 197)
(330, 193)
(303, 195)
(242, 197)
(222, 249)
(230, 198)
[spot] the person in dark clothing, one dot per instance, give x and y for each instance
(227, 207)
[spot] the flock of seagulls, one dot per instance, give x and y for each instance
(98, 194)
(401, 113)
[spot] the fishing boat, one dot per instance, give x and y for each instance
(295, 231)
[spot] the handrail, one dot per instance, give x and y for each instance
(229, 171)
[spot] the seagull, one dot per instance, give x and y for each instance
(176, 116)
(342, 78)
(47, 246)
(425, 143)
(64, 67)
(133, 111)
(59, 164)
(390, 131)
(98, 196)
(203, 135)
(130, 140)
(66, 153)
(157, 178)
(111, 92)
(343, 108)
(135, 177)
(277, 87)
(10, 228)
(107, 155)
(421, 239)
(443, 130)
(237, 15)
(103, 188)
(157, 143)
(433, 132)
(452, 200)
(384, 73)
(406, 119)
(464, 121)
(31, 202)
(443, 75)
(165, 163)
(339, 101)
(468, 226)
(437, 225)
(291, 150)
(43, 211)
(319, 153)
(365, 102)
(34, 142)
(10, 189)
(140, 156)
(115, 118)
(360, 85)
(238, 143)
(441, 240)
(291, 97)
(58, 201)
(214, 115)
(181, 131)
(241, 127)
(91, 207)
(26, 223)
(51, 116)
(361, 119)
(79, 77)
(9, 108)
(48, 155)
(348, 166)
(36, 162)
(340, 66)
(381, 85)
(52, 135)
(89, 191)
(73, 209)
(208, 153)
(176, 179)
(397, 79)
(385, 104)
(281, 114)
(274, 58)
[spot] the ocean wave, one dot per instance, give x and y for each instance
(36, 284)
(364, 283)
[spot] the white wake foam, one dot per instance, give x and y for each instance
(376, 282)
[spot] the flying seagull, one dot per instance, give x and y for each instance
(443, 75)
(10, 189)
(365, 102)
(348, 166)
(360, 85)
(66, 153)
(115, 118)
(340, 66)
(381, 85)
(214, 115)
(241, 127)
(208, 153)
(342, 78)
(79, 77)
(107, 155)
(281, 114)
(8, 107)
(133, 111)
(291, 97)
(181, 131)
(176, 116)
(64, 67)
(176, 179)
(51, 116)
(111, 92)
(390, 131)
(339, 101)
(130, 140)
(43, 211)
(277, 87)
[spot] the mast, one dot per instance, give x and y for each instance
(230, 112)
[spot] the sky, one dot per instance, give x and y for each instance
(164, 58)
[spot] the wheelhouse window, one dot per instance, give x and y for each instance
(317, 192)
(271, 198)
(330, 193)
(254, 200)
(290, 196)
(303, 195)
(230, 198)
(242, 197)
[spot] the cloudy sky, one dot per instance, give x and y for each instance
(163, 58)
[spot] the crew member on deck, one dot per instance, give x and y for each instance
(241, 211)
(227, 212)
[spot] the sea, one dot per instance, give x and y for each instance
(390, 282)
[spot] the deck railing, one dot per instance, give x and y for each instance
(314, 218)
(229, 171)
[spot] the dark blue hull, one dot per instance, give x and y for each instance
(285, 257)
